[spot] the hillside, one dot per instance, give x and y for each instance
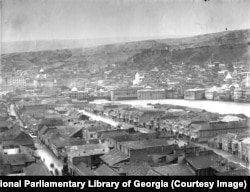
(226, 47)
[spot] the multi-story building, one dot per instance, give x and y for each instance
(75, 94)
(151, 94)
(194, 94)
(17, 81)
(124, 93)
(205, 130)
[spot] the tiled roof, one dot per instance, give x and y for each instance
(142, 144)
(135, 169)
(113, 157)
(68, 130)
(36, 169)
(238, 172)
(111, 133)
(17, 159)
(105, 170)
(134, 137)
(84, 170)
(202, 162)
(173, 170)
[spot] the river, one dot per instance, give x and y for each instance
(212, 106)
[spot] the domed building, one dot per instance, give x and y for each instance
(74, 89)
(41, 80)
(75, 94)
(228, 79)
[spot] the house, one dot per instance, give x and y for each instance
(140, 150)
(205, 163)
(51, 121)
(14, 138)
(215, 142)
(143, 116)
(226, 140)
(89, 154)
(13, 164)
(245, 149)
(91, 130)
(113, 157)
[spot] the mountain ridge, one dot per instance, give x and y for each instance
(225, 46)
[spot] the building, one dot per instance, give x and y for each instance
(205, 163)
(15, 163)
(211, 93)
(151, 94)
(41, 80)
(245, 149)
(17, 81)
(228, 79)
(194, 94)
(88, 154)
(75, 94)
(237, 94)
(202, 131)
(124, 93)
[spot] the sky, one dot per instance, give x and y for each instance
(23, 20)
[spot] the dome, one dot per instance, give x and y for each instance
(228, 76)
(74, 89)
(41, 70)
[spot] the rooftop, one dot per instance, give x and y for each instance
(36, 169)
(173, 170)
(113, 157)
(142, 144)
(104, 170)
(87, 150)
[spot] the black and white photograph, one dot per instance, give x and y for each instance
(124, 88)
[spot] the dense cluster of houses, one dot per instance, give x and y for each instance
(98, 149)
(153, 140)
(195, 124)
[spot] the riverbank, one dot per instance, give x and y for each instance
(211, 106)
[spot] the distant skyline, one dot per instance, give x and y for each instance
(25, 20)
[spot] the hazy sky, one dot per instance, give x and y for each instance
(85, 19)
